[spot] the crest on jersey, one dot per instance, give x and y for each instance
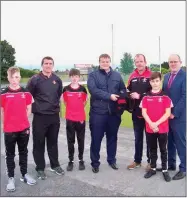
(145, 80)
(160, 99)
(22, 95)
(54, 82)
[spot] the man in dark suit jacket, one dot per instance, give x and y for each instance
(175, 86)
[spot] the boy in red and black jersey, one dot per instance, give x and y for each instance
(156, 109)
(15, 109)
(138, 86)
(75, 97)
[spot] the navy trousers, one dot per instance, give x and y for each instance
(99, 126)
(139, 128)
(177, 142)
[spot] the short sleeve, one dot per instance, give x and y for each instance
(168, 102)
(143, 103)
(84, 94)
(29, 98)
(2, 100)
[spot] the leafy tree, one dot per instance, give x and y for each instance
(126, 63)
(26, 73)
(165, 65)
(164, 71)
(155, 67)
(7, 58)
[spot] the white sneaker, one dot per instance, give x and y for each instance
(11, 185)
(28, 179)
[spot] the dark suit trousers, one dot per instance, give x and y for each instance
(99, 126)
(177, 142)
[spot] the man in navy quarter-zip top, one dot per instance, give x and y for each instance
(105, 87)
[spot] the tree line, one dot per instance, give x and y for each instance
(126, 63)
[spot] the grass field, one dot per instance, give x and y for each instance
(125, 122)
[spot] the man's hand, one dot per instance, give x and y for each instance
(114, 97)
(171, 116)
(135, 95)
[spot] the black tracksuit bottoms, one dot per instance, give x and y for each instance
(45, 127)
(162, 141)
(78, 128)
(22, 139)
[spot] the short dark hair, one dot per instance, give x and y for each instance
(48, 58)
(140, 55)
(155, 75)
(104, 56)
(74, 72)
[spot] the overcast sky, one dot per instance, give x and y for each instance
(78, 32)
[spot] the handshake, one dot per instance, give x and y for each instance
(154, 127)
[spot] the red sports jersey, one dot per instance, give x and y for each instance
(14, 104)
(75, 99)
(156, 105)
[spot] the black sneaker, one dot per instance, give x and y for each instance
(70, 166)
(95, 170)
(41, 175)
(58, 170)
(166, 176)
(81, 165)
(150, 173)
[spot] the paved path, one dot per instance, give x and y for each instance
(107, 182)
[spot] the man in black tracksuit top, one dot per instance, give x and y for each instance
(105, 87)
(138, 85)
(46, 89)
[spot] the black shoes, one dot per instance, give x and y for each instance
(179, 175)
(81, 165)
(150, 173)
(166, 176)
(70, 166)
(114, 166)
(95, 169)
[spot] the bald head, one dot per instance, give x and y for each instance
(175, 62)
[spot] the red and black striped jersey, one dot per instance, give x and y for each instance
(14, 104)
(156, 105)
(75, 100)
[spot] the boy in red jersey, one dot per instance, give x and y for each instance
(75, 97)
(156, 109)
(15, 109)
